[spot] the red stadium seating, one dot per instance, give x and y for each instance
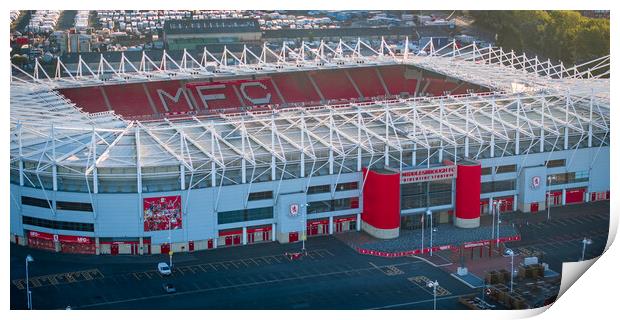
(368, 82)
(394, 78)
(296, 87)
(334, 84)
(152, 100)
(88, 98)
(128, 99)
(169, 96)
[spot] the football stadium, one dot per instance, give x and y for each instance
(153, 153)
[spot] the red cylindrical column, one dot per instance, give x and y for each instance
(467, 206)
(381, 214)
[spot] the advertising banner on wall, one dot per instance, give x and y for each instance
(162, 213)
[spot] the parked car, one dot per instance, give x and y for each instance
(169, 288)
(164, 269)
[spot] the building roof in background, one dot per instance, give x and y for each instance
(211, 26)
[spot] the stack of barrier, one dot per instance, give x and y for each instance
(378, 253)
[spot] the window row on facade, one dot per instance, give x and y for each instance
(60, 205)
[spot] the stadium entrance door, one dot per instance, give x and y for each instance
(317, 227)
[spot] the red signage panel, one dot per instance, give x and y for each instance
(40, 235)
(75, 239)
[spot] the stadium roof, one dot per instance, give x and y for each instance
(535, 107)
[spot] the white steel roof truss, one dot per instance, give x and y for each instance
(197, 145)
(241, 127)
(377, 118)
(219, 138)
(285, 137)
(446, 122)
(347, 136)
(435, 132)
(312, 135)
(165, 146)
(329, 123)
(497, 116)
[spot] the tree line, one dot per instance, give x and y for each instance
(566, 36)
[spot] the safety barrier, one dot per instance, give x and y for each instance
(471, 244)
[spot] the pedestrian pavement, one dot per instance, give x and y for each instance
(445, 234)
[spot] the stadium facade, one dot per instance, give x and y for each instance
(188, 153)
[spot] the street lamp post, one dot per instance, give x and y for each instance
(430, 214)
(511, 253)
(585, 242)
(170, 240)
(422, 218)
(493, 222)
(28, 293)
(497, 205)
(434, 285)
(304, 228)
(548, 205)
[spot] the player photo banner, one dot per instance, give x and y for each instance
(161, 213)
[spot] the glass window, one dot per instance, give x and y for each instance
(244, 215)
(259, 213)
(319, 206)
(74, 206)
(318, 189)
(344, 204)
(497, 186)
(507, 168)
(555, 163)
(230, 216)
(260, 195)
(346, 186)
(36, 202)
(60, 225)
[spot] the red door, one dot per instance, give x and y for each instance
(534, 207)
(324, 228)
(250, 237)
(554, 198)
(314, 230)
(339, 227)
(114, 249)
(165, 248)
(575, 195)
(236, 239)
(293, 237)
(229, 241)
(191, 246)
(505, 204)
(210, 244)
(267, 235)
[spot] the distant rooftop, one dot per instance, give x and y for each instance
(211, 26)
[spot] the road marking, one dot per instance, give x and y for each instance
(223, 287)
(421, 281)
(418, 302)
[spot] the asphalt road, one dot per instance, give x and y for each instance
(260, 276)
